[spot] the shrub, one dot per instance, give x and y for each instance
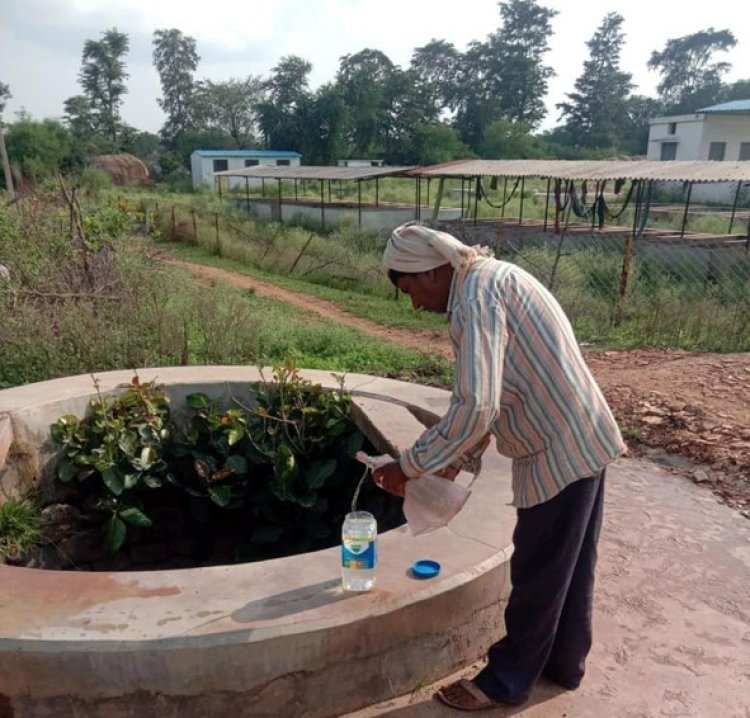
(20, 530)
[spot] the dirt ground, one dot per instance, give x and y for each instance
(686, 410)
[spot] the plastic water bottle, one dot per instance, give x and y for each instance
(359, 551)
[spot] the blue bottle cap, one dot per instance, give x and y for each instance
(425, 568)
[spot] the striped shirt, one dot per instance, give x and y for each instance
(521, 378)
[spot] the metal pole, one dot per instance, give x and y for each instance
(734, 206)
(505, 191)
(428, 192)
(438, 199)
(593, 206)
(546, 205)
(416, 200)
(322, 206)
(639, 189)
(377, 193)
(247, 194)
(687, 207)
(6, 168)
(419, 195)
(359, 202)
(462, 198)
(329, 191)
(520, 211)
(263, 186)
(295, 191)
(476, 200)
(280, 217)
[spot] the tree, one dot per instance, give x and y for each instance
(435, 68)
(230, 107)
(640, 110)
(597, 111)
(515, 73)
(689, 77)
(323, 119)
(38, 148)
(362, 79)
(286, 92)
(4, 97)
(506, 139)
(436, 143)
(103, 78)
(176, 59)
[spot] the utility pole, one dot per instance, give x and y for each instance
(6, 167)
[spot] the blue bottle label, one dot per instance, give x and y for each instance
(358, 553)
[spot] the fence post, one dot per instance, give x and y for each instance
(499, 240)
(195, 226)
(174, 225)
(218, 239)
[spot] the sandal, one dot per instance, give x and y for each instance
(465, 695)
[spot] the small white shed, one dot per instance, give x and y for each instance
(203, 163)
(360, 163)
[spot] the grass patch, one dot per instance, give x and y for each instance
(380, 307)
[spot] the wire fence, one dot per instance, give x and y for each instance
(619, 288)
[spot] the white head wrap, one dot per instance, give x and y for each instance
(413, 248)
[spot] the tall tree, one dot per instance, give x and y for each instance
(362, 79)
(4, 97)
(231, 107)
(435, 67)
(103, 78)
(640, 109)
(176, 59)
(690, 77)
(286, 93)
(323, 120)
(596, 112)
(515, 70)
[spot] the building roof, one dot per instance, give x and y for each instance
(679, 171)
(733, 106)
(246, 153)
(313, 172)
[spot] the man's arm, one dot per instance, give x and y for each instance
(464, 430)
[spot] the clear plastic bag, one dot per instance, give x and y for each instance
(429, 501)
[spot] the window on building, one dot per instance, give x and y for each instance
(221, 165)
(717, 150)
(671, 128)
(744, 152)
(375, 163)
(668, 151)
(282, 163)
(251, 163)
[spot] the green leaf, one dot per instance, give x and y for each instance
(153, 482)
(135, 517)
(128, 443)
(353, 443)
(318, 472)
(115, 534)
(236, 464)
(131, 480)
(307, 500)
(235, 434)
(198, 401)
(66, 470)
(220, 495)
(113, 480)
(148, 456)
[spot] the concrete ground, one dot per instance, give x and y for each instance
(672, 613)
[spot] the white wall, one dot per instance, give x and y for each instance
(730, 128)
(688, 135)
(202, 169)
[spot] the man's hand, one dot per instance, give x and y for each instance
(390, 478)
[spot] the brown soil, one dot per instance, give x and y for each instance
(671, 404)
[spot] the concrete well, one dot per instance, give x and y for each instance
(273, 638)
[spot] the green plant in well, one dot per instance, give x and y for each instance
(20, 530)
(119, 447)
(213, 443)
(295, 425)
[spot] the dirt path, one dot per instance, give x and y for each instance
(688, 404)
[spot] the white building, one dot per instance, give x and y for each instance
(203, 163)
(720, 132)
(360, 163)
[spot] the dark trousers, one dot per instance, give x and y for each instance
(548, 617)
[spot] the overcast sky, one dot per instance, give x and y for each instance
(41, 40)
